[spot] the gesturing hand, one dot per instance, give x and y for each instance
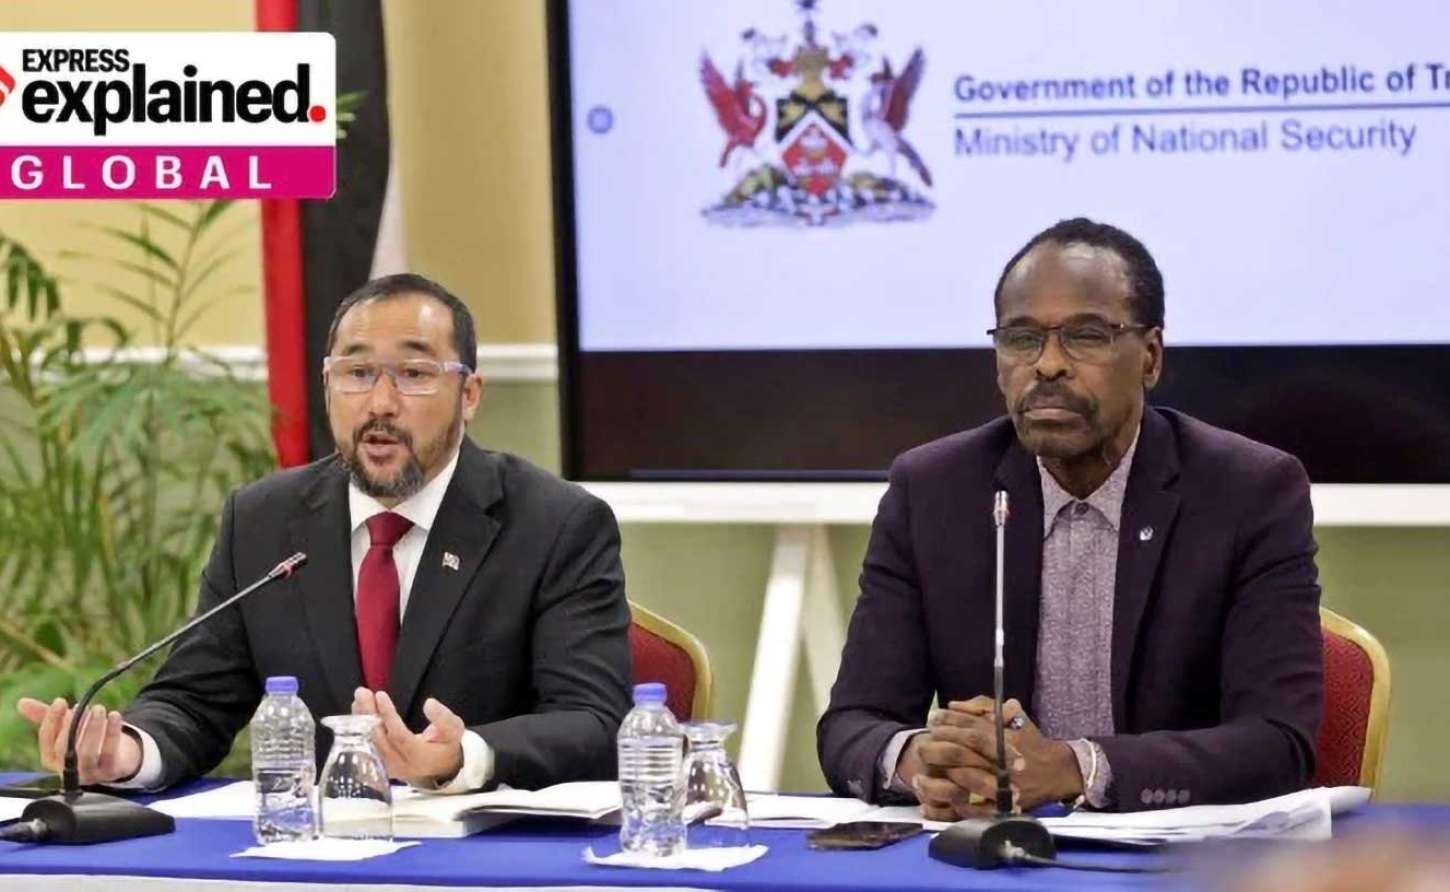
(104, 754)
(424, 760)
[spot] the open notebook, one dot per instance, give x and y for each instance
(431, 815)
(421, 815)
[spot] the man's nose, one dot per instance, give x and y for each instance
(1054, 361)
(383, 398)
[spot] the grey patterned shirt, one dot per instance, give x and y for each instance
(1074, 695)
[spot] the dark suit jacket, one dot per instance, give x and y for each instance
(1217, 677)
(527, 640)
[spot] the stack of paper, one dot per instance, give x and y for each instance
(1304, 815)
(802, 812)
(780, 812)
(232, 802)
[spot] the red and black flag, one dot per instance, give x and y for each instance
(315, 252)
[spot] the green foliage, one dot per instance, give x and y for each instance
(347, 105)
(112, 466)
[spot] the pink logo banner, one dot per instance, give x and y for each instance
(104, 171)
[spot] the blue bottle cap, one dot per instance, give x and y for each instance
(652, 692)
(282, 684)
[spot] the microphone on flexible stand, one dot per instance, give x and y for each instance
(76, 816)
(1003, 838)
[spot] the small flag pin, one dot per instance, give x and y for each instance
(450, 560)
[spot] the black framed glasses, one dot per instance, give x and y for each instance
(1090, 342)
(411, 377)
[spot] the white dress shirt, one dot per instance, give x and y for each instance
(422, 509)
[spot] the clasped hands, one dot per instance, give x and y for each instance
(952, 765)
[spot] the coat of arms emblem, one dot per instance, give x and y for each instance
(820, 165)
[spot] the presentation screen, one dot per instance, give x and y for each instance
(780, 222)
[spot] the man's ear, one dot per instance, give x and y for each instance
(1152, 358)
(473, 387)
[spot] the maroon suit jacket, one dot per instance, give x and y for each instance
(1217, 675)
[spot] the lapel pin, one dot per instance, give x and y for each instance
(450, 560)
(1145, 534)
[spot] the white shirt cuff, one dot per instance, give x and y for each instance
(477, 767)
(148, 777)
(890, 756)
(1097, 774)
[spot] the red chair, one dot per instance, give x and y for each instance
(662, 651)
(1356, 705)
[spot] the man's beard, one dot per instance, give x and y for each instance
(412, 477)
(1042, 440)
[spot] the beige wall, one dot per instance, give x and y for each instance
(470, 121)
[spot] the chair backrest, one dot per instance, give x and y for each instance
(1356, 705)
(663, 651)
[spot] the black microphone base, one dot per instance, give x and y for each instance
(981, 842)
(88, 817)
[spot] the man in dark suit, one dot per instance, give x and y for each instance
(1161, 597)
(472, 601)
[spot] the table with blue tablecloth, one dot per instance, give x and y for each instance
(548, 854)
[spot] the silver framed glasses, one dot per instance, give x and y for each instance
(411, 377)
(1090, 342)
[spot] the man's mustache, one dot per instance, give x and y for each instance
(381, 427)
(1054, 397)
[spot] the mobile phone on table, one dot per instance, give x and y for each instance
(862, 835)
(34, 788)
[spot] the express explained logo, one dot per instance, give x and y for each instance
(167, 115)
(52, 97)
(814, 171)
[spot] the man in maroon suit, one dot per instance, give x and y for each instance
(1162, 630)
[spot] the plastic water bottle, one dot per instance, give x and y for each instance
(651, 786)
(284, 767)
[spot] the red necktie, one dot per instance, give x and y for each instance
(377, 612)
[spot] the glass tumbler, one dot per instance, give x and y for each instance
(355, 799)
(712, 784)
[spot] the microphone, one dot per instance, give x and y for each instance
(1003, 838)
(80, 817)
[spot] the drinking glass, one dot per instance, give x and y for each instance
(355, 797)
(712, 783)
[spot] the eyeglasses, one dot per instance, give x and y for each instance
(411, 377)
(1090, 342)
